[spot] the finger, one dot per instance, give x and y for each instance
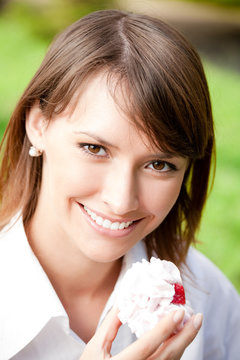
(174, 347)
(150, 342)
(107, 332)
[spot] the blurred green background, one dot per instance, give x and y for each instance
(26, 29)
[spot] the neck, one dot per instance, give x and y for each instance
(82, 284)
(71, 273)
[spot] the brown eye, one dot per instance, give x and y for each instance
(158, 165)
(94, 149)
(161, 166)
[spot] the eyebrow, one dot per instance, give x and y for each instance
(96, 137)
(162, 155)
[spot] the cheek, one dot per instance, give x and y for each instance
(71, 176)
(161, 197)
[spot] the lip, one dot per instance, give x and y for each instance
(109, 232)
(109, 218)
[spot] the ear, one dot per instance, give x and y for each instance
(35, 126)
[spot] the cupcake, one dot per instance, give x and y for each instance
(149, 291)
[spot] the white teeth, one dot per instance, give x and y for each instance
(122, 225)
(115, 226)
(99, 220)
(107, 224)
(87, 210)
(93, 216)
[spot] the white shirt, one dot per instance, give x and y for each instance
(34, 324)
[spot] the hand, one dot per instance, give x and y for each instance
(157, 344)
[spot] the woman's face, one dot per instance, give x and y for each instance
(104, 185)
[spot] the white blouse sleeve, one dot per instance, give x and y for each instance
(212, 294)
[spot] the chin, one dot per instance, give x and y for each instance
(106, 256)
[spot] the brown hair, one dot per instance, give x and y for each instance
(167, 97)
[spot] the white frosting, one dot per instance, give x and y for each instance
(146, 293)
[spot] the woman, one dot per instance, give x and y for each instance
(106, 161)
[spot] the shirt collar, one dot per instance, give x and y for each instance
(28, 300)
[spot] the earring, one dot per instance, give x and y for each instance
(34, 152)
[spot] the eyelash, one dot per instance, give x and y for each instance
(171, 166)
(85, 147)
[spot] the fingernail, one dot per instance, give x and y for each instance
(178, 315)
(197, 321)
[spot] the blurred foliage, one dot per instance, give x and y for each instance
(218, 2)
(21, 54)
(26, 29)
(45, 18)
(220, 231)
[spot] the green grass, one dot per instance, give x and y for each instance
(22, 52)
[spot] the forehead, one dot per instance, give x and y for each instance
(103, 96)
(96, 112)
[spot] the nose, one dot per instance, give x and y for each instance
(120, 190)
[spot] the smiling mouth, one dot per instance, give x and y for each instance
(106, 223)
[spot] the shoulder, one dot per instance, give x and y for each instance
(213, 294)
(9, 236)
(15, 224)
(206, 272)
(209, 279)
